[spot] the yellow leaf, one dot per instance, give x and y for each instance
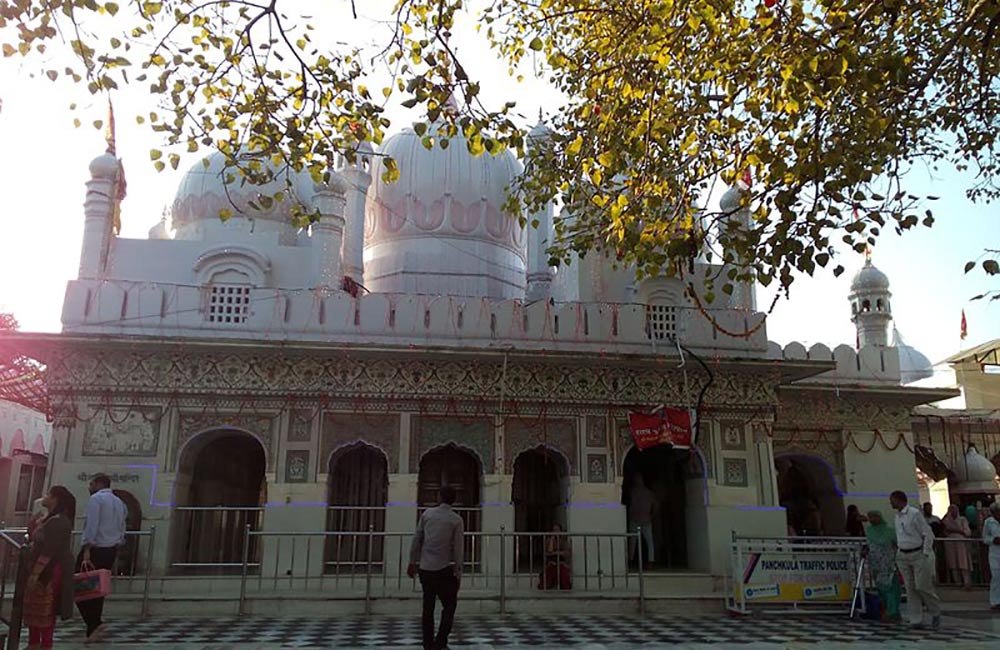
(575, 146)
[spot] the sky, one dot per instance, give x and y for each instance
(45, 160)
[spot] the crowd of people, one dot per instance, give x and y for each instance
(902, 552)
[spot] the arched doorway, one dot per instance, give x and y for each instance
(808, 492)
(459, 468)
(221, 490)
(539, 496)
(662, 471)
(357, 491)
(127, 561)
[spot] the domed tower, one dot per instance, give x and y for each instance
(203, 194)
(98, 210)
(358, 177)
(540, 237)
(870, 309)
(441, 229)
(744, 295)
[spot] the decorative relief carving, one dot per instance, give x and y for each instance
(472, 433)
(526, 381)
(121, 432)
(297, 466)
(300, 422)
(733, 437)
(597, 431)
(340, 429)
(734, 472)
(597, 468)
(559, 434)
(260, 426)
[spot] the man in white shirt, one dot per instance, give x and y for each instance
(103, 533)
(437, 550)
(915, 559)
(991, 537)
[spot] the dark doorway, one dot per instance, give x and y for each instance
(808, 492)
(222, 486)
(539, 496)
(662, 470)
(454, 466)
(357, 492)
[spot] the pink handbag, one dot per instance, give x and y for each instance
(88, 585)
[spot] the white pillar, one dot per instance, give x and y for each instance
(744, 294)
(358, 178)
(539, 239)
(97, 210)
(328, 232)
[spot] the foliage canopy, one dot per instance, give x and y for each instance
(825, 105)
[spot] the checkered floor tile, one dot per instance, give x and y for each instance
(523, 630)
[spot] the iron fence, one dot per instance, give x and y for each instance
(962, 562)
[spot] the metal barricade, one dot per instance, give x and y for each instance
(210, 540)
(962, 562)
(14, 568)
(296, 565)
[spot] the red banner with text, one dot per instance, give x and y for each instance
(667, 426)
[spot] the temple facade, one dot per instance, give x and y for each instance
(250, 375)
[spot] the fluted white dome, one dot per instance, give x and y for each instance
(869, 278)
(976, 474)
(104, 166)
(913, 364)
(441, 228)
(204, 193)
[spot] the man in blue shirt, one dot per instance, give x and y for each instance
(103, 533)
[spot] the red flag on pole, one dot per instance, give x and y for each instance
(965, 327)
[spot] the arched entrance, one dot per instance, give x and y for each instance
(357, 491)
(221, 490)
(661, 472)
(127, 561)
(808, 492)
(459, 468)
(539, 497)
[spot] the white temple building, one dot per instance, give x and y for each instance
(224, 377)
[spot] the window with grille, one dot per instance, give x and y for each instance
(661, 321)
(228, 304)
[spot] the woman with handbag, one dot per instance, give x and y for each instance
(49, 591)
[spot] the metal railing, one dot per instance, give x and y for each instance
(962, 562)
(293, 565)
(212, 539)
(14, 567)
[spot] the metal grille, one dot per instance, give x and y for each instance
(228, 304)
(661, 321)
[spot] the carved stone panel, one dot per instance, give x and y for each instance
(300, 422)
(557, 433)
(340, 429)
(261, 426)
(597, 468)
(123, 432)
(475, 433)
(297, 466)
(597, 431)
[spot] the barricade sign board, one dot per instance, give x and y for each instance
(794, 571)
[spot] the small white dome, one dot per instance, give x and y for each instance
(540, 131)
(869, 278)
(976, 473)
(160, 230)
(730, 201)
(913, 365)
(204, 193)
(104, 166)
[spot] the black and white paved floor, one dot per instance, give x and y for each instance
(529, 631)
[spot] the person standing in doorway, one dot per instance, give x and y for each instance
(915, 559)
(991, 537)
(640, 515)
(437, 553)
(103, 533)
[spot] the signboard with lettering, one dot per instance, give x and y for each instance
(775, 576)
(666, 426)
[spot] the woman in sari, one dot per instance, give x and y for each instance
(556, 573)
(880, 552)
(49, 591)
(956, 553)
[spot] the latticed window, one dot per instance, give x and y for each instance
(228, 304)
(661, 321)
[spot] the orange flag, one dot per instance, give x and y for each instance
(965, 327)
